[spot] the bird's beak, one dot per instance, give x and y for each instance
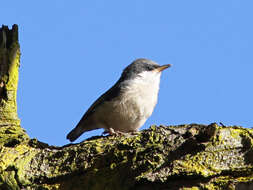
(161, 68)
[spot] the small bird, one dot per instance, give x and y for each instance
(126, 106)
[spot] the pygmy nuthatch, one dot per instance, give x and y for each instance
(126, 106)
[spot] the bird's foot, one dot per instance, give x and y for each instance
(115, 133)
(134, 132)
(112, 132)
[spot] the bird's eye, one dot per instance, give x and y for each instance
(149, 68)
(152, 67)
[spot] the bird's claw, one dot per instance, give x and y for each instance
(112, 132)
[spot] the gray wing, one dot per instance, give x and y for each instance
(107, 96)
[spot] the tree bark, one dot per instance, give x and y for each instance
(166, 157)
(9, 64)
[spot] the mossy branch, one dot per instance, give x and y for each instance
(173, 157)
(9, 64)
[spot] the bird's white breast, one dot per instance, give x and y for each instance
(143, 92)
(138, 100)
(134, 105)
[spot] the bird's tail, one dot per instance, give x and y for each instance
(75, 133)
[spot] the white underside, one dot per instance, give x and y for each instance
(132, 108)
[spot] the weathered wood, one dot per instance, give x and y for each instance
(9, 64)
(173, 157)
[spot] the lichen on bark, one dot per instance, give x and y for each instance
(172, 157)
(166, 157)
(9, 64)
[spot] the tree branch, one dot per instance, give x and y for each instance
(9, 64)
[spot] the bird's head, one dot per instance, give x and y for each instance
(142, 68)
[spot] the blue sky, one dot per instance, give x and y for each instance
(73, 51)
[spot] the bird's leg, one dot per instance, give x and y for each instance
(109, 131)
(112, 132)
(115, 133)
(134, 132)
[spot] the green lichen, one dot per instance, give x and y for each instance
(166, 156)
(9, 61)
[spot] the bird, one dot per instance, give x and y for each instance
(126, 106)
